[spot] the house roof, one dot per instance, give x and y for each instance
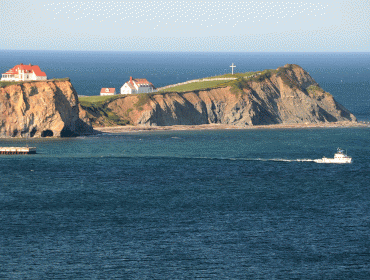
(130, 85)
(107, 90)
(139, 82)
(27, 69)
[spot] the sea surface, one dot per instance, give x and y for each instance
(345, 75)
(215, 204)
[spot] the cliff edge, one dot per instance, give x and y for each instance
(287, 95)
(40, 109)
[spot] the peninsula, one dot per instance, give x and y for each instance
(285, 97)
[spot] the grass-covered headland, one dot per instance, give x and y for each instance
(98, 105)
(238, 83)
(209, 83)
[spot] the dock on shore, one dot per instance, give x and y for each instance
(17, 150)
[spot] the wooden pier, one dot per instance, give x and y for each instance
(17, 150)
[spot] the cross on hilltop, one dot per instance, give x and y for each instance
(232, 68)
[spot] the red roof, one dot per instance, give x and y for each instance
(107, 90)
(27, 69)
(139, 82)
(142, 81)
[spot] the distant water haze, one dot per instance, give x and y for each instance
(345, 75)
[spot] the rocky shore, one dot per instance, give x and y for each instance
(138, 128)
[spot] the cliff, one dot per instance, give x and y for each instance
(40, 109)
(286, 95)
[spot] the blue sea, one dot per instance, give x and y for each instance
(212, 204)
(345, 75)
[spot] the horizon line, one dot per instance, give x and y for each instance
(157, 51)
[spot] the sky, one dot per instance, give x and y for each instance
(205, 26)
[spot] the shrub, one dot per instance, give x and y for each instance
(238, 86)
(313, 88)
(143, 98)
(5, 84)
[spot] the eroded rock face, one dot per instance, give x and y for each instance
(40, 109)
(286, 95)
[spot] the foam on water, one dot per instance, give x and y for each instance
(262, 159)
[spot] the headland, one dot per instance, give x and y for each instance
(286, 97)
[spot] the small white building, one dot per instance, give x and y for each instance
(22, 72)
(108, 91)
(137, 86)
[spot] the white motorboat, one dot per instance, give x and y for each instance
(339, 157)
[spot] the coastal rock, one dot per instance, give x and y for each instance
(287, 95)
(40, 109)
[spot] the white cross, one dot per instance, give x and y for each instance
(232, 68)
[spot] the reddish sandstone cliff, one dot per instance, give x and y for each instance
(42, 108)
(286, 95)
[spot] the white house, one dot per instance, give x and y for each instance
(108, 91)
(137, 86)
(22, 72)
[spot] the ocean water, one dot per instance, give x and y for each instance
(345, 75)
(217, 204)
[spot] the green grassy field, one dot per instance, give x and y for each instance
(195, 86)
(236, 75)
(203, 85)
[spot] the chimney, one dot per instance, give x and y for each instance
(21, 64)
(130, 79)
(30, 64)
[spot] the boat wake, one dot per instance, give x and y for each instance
(284, 160)
(214, 158)
(264, 159)
(281, 160)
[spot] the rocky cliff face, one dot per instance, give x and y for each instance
(40, 109)
(285, 95)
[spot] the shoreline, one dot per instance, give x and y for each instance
(140, 128)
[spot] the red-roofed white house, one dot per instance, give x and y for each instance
(22, 72)
(108, 91)
(137, 86)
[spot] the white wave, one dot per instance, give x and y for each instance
(266, 159)
(292, 160)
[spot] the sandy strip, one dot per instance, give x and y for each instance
(129, 128)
